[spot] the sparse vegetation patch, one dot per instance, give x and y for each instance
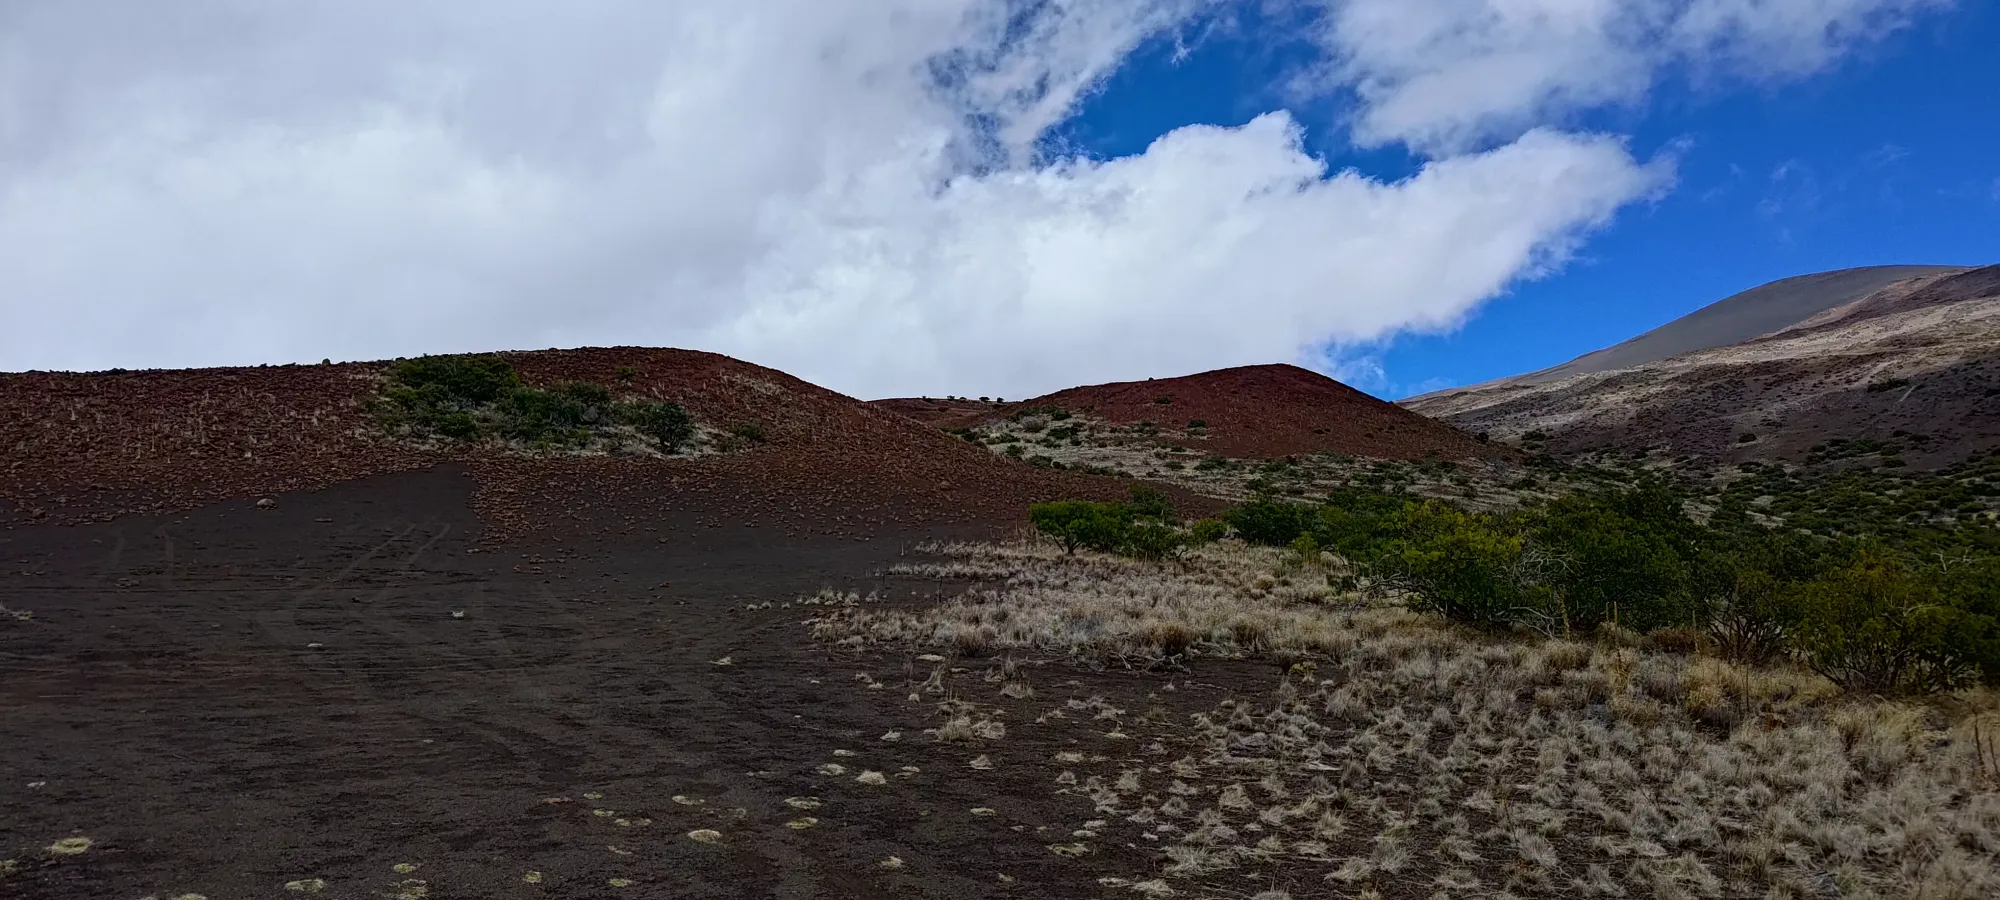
(482, 399)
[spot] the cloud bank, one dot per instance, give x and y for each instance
(849, 190)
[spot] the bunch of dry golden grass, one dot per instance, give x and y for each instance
(1415, 752)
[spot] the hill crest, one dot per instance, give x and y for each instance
(1262, 411)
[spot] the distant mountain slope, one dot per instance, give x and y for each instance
(1247, 411)
(1759, 310)
(1915, 362)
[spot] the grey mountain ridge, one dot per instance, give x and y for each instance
(1737, 318)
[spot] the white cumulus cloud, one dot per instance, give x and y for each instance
(845, 189)
(1443, 75)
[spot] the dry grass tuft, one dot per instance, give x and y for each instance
(1397, 750)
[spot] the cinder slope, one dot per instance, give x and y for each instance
(1246, 411)
(89, 446)
(1916, 362)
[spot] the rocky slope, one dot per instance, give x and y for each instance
(1915, 362)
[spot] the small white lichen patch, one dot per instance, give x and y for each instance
(306, 885)
(725, 661)
(832, 769)
(705, 835)
(1070, 850)
(404, 868)
(893, 862)
(983, 811)
(632, 823)
(532, 878)
(845, 753)
(802, 823)
(619, 882)
(593, 795)
(873, 779)
(802, 802)
(982, 762)
(686, 800)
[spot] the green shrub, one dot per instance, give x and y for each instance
(1272, 523)
(460, 425)
(464, 380)
(1151, 539)
(1207, 531)
(750, 432)
(473, 397)
(665, 422)
(1142, 528)
(1080, 523)
(1613, 556)
(562, 415)
(1149, 503)
(1459, 565)
(1878, 625)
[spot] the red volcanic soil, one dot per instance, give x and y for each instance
(941, 412)
(1249, 411)
(93, 446)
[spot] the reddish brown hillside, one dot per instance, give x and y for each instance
(939, 411)
(92, 446)
(1248, 411)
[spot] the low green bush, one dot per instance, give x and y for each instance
(1143, 527)
(667, 423)
(1913, 610)
(1880, 625)
(474, 397)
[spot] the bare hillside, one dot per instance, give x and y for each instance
(95, 446)
(1246, 411)
(1916, 362)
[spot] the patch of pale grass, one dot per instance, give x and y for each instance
(1605, 768)
(1224, 599)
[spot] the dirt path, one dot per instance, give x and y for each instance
(229, 700)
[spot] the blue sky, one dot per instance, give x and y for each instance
(972, 197)
(1890, 157)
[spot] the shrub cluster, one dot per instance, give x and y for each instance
(1869, 614)
(1144, 527)
(471, 398)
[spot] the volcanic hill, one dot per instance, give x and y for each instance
(1247, 411)
(92, 446)
(1913, 363)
